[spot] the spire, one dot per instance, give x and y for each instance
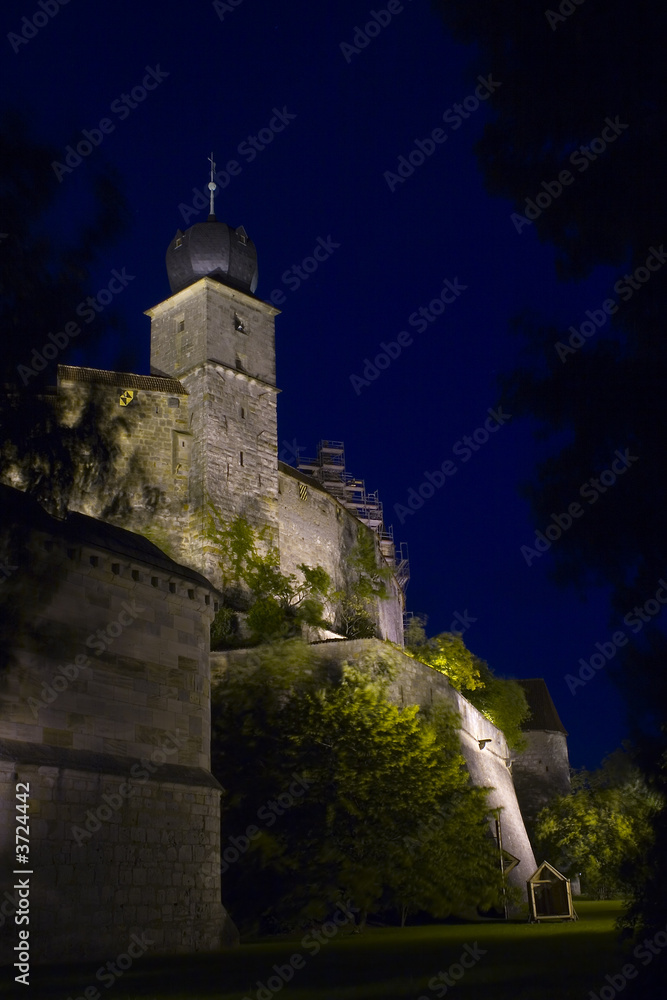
(212, 186)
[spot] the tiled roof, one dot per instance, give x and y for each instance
(67, 373)
(544, 714)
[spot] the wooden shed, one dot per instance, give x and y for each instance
(549, 895)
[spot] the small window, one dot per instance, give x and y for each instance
(242, 413)
(181, 325)
(239, 324)
(239, 364)
(191, 595)
(135, 575)
(115, 568)
(207, 598)
(172, 588)
(303, 491)
(155, 582)
(94, 561)
(174, 402)
(241, 458)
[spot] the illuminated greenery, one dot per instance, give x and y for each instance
(279, 603)
(602, 829)
(389, 820)
(502, 701)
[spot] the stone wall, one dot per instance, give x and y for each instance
(541, 772)
(418, 684)
(105, 713)
(152, 487)
(316, 529)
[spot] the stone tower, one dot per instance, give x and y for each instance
(542, 770)
(217, 338)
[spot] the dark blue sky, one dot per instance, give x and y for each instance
(323, 178)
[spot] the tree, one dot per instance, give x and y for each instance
(374, 773)
(565, 78)
(602, 829)
(502, 701)
(42, 282)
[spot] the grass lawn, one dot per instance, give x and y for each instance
(520, 961)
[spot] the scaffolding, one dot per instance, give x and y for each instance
(328, 468)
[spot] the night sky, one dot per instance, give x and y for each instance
(226, 73)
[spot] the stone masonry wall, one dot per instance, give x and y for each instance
(156, 456)
(541, 772)
(105, 712)
(316, 529)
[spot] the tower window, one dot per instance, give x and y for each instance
(241, 458)
(242, 413)
(181, 325)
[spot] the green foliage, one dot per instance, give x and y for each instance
(602, 829)
(501, 700)
(376, 773)
(278, 603)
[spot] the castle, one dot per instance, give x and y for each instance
(105, 699)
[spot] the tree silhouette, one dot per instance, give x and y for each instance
(566, 74)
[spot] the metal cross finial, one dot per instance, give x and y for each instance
(212, 185)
